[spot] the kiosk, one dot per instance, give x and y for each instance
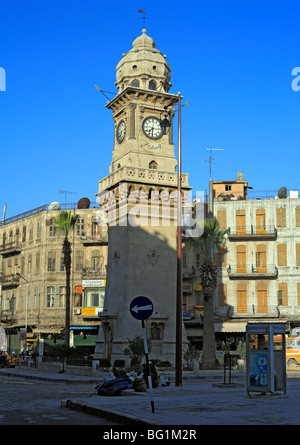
(266, 358)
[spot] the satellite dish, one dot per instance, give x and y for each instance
(83, 203)
(282, 192)
(54, 206)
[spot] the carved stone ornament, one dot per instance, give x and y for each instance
(153, 257)
(116, 257)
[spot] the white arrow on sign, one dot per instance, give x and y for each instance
(142, 308)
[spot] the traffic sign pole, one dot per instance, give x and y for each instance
(141, 308)
(148, 367)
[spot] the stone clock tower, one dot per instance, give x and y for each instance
(142, 254)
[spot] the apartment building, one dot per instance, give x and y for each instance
(33, 277)
(258, 267)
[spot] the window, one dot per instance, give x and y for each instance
(297, 216)
(36, 297)
(135, 83)
(52, 229)
(62, 296)
(222, 219)
(80, 226)
(37, 262)
(261, 258)
(242, 297)
(297, 254)
(50, 296)
(31, 232)
(24, 234)
(240, 222)
(260, 221)
(152, 85)
(197, 259)
(29, 263)
(153, 165)
(281, 254)
(95, 260)
(79, 260)
(241, 259)
(222, 294)
(221, 257)
(298, 294)
(282, 294)
(281, 217)
(227, 187)
(22, 265)
(39, 230)
(51, 262)
(262, 297)
(61, 264)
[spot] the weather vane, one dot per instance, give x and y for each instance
(142, 11)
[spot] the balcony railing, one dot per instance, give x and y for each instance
(269, 232)
(90, 272)
(252, 271)
(9, 281)
(101, 238)
(10, 247)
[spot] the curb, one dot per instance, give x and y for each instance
(107, 413)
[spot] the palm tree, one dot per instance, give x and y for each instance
(65, 222)
(211, 238)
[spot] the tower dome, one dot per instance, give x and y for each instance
(144, 67)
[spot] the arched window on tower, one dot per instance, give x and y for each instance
(152, 85)
(135, 83)
(153, 165)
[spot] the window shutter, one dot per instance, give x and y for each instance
(297, 254)
(281, 217)
(222, 219)
(281, 254)
(297, 216)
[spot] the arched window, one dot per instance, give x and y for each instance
(135, 83)
(152, 85)
(153, 165)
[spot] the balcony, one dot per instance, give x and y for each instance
(9, 281)
(11, 247)
(252, 272)
(97, 239)
(93, 273)
(251, 233)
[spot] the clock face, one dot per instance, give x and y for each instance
(121, 129)
(152, 128)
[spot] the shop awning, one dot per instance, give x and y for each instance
(231, 326)
(48, 330)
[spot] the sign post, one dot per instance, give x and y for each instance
(141, 308)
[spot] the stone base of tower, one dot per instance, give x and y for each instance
(142, 261)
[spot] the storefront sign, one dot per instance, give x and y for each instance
(88, 311)
(93, 283)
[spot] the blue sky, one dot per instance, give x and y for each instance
(231, 60)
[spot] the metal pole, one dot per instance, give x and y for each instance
(148, 367)
(178, 369)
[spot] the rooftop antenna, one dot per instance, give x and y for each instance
(211, 193)
(212, 159)
(65, 192)
(143, 11)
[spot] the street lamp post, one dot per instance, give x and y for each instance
(26, 312)
(166, 124)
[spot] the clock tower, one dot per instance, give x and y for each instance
(142, 256)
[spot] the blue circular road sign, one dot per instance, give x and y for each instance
(141, 308)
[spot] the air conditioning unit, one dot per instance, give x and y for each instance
(77, 311)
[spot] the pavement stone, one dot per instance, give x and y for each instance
(203, 399)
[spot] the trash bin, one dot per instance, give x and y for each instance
(266, 358)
